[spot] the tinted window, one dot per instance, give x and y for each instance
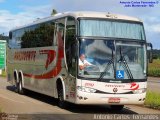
(38, 36)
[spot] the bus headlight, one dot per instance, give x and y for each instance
(86, 89)
(139, 91)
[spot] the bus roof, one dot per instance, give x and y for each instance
(83, 14)
(104, 15)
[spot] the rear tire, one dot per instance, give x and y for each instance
(20, 88)
(16, 83)
(16, 86)
(116, 107)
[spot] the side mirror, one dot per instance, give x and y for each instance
(10, 35)
(149, 52)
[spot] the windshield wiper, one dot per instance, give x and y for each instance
(108, 66)
(125, 65)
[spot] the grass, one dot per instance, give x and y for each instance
(153, 100)
(0, 110)
(3, 73)
(154, 68)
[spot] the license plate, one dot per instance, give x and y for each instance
(114, 100)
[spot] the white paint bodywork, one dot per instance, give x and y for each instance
(104, 87)
(71, 93)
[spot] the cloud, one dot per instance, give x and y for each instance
(9, 20)
(2, 1)
(83, 5)
(42, 10)
(154, 28)
(150, 15)
(156, 37)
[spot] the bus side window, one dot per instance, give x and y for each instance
(70, 45)
(39, 35)
(15, 39)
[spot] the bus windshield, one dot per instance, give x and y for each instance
(112, 29)
(110, 59)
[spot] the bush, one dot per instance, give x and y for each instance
(154, 72)
(3, 73)
(152, 100)
(154, 68)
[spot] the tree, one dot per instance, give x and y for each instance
(54, 12)
(40, 36)
(3, 37)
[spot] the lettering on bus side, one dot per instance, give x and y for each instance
(112, 86)
(31, 56)
(25, 56)
(89, 84)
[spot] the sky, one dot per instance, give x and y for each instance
(15, 13)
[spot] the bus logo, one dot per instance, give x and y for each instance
(50, 56)
(115, 90)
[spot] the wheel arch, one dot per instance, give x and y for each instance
(16, 77)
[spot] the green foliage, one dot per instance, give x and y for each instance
(3, 73)
(156, 53)
(152, 100)
(154, 72)
(155, 56)
(154, 68)
(54, 12)
(3, 37)
(1, 111)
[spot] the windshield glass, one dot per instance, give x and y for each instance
(130, 60)
(112, 29)
(94, 56)
(106, 59)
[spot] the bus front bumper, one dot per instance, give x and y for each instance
(109, 99)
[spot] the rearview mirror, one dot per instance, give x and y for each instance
(149, 52)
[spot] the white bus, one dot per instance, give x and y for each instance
(47, 56)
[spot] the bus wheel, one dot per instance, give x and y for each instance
(20, 86)
(16, 87)
(61, 102)
(16, 82)
(116, 107)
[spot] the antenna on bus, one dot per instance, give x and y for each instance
(111, 15)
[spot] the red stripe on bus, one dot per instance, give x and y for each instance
(134, 86)
(51, 54)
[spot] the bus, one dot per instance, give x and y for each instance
(47, 57)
